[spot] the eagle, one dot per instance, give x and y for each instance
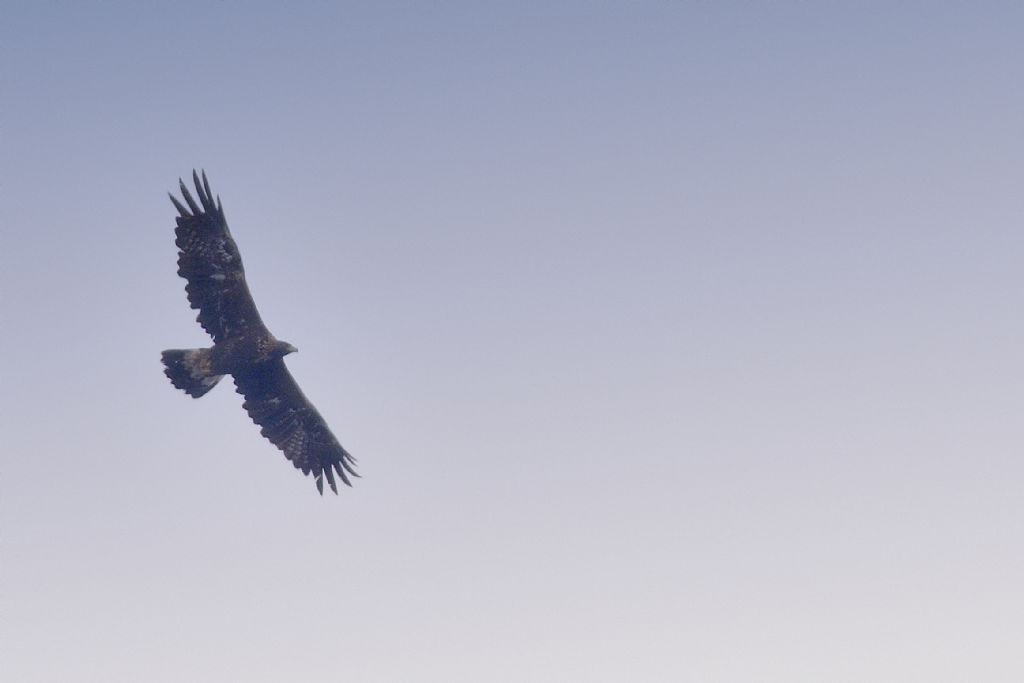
(243, 347)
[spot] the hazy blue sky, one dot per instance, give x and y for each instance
(677, 341)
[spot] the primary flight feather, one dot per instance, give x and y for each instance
(243, 347)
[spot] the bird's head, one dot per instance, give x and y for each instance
(281, 349)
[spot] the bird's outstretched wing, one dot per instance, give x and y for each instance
(287, 418)
(209, 261)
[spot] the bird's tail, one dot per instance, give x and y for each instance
(189, 370)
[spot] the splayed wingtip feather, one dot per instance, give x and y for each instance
(188, 197)
(348, 467)
(181, 209)
(341, 473)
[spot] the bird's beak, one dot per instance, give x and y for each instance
(291, 349)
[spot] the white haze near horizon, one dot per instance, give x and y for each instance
(677, 341)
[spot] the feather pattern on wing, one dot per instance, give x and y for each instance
(209, 261)
(287, 418)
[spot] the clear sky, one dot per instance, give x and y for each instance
(677, 341)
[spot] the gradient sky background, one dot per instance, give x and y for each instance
(677, 341)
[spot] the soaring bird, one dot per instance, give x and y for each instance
(243, 347)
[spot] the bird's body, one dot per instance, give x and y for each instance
(243, 347)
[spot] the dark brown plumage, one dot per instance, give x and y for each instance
(243, 347)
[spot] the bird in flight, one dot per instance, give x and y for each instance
(243, 347)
